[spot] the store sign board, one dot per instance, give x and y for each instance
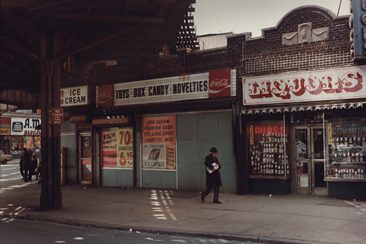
(159, 143)
(310, 86)
(74, 96)
(188, 87)
(25, 126)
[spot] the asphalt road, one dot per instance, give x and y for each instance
(9, 174)
(16, 231)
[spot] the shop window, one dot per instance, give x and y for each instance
(268, 149)
(347, 149)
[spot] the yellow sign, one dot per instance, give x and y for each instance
(125, 147)
(330, 133)
(5, 131)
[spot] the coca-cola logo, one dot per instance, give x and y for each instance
(220, 83)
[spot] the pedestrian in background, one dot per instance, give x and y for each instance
(213, 176)
(38, 172)
(34, 165)
(21, 163)
(27, 163)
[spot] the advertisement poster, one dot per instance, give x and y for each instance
(125, 147)
(159, 138)
(220, 83)
(109, 146)
(117, 148)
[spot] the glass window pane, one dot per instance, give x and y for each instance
(318, 143)
(301, 138)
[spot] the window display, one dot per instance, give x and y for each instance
(347, 150)
(268, 147)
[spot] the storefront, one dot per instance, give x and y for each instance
(76, 135)
(170, 125)
(5, 138)
(114, 151)
(305, 132)
(19, 130)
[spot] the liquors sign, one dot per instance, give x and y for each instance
(331, 84)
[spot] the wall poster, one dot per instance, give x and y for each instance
(159, 143)
(117, 147)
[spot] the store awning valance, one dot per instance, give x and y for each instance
(301, 108)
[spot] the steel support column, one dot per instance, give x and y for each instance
(51, 197)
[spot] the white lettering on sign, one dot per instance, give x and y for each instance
(342, 83)
(74, 96)
(189, 87)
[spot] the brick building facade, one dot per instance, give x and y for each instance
(290, 144)
(306, 41)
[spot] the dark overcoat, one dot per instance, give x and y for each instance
(213, 179)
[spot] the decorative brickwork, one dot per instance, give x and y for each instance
(267, 54)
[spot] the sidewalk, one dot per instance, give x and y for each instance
(276, 219)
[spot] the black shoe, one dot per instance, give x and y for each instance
(218, 202)
(202, 197)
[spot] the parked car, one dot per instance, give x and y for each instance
(4, 158)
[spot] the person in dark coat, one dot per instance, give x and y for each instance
(21, 163)
(34, 165)
(213, 176)
(27, 163)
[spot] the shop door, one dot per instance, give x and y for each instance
(309, 160)
(85, 158)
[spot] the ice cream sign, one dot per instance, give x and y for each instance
(74, 96)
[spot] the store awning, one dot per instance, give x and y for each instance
(301, 108)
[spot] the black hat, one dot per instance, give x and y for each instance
(213, 150)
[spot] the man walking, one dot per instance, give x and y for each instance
(213, 177)
(22, 164)
(27, 163)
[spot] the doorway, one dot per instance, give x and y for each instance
(85, 158)
(309, 159)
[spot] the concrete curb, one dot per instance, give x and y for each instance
(162, 231)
